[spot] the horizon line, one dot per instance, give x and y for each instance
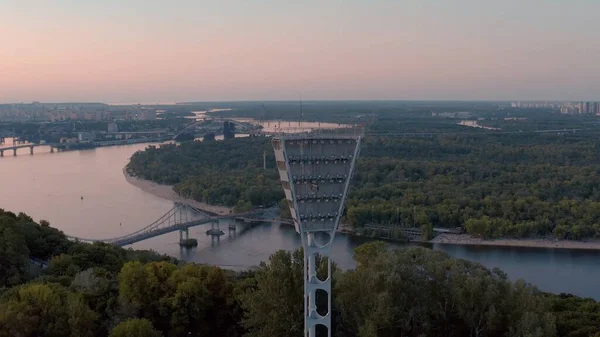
(295, 101)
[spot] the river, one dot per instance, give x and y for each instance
(50, 186)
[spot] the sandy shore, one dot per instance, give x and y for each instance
(166, 192)
(466, 239)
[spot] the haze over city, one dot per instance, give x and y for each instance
(155, 51)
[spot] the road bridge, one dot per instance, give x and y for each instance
(179, 218)
(14, 148)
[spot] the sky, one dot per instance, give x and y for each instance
(150, 51)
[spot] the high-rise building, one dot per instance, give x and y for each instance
(315, 170)
(147, 114)
(112, 127)
(596, 108)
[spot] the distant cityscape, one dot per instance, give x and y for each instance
(49, 112)
(95, 112)
(566, 108)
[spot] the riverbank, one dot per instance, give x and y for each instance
(167, 192)
(468, 240)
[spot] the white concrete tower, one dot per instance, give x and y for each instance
(315, 170)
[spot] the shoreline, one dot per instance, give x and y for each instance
(468, 240)
(166, 192)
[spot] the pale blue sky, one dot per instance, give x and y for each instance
(128, 51)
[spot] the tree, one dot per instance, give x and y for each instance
(274, 304)
(45, 310)
(190, 303)
(14, 254)
(284, 208)
(135, 328)
(427, 231)
(191, 299)
(82, 320)
(419, 292)
(369, 252)
(242, 206)
(99, 289)
(63, 265)
(145, 290)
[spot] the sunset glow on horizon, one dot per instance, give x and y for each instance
(154, 51)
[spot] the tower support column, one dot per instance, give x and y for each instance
(312, 284)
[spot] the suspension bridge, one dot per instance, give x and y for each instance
(180, 218)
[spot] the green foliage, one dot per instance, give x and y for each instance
(99, 289)
(493, 185)
(191, 299)
(419, 292)
(228, 172)
(135, 328)
(14, 254)
(93, 290)
(273, 296)
(274, 305)
(368, 252)
(42, 240)
(63, 265)
(242, 206)
(575, 316)
(427, 231)
(284, 210)
(45, 310)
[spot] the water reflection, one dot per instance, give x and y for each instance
(554, 270)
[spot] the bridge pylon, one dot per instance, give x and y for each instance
(187, 242)
(214, 229)
(181, 234)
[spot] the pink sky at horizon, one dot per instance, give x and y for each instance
(113, 53)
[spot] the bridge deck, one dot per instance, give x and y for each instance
(158, 228)
(23, 146)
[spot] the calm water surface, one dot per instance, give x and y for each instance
(50, 186)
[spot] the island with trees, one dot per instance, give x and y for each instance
(492, 184)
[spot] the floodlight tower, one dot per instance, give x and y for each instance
(315, 170)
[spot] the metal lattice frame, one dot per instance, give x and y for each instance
(309, 233)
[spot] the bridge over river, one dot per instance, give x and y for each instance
(14, 148)
(181, 218)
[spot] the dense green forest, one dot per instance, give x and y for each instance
(101, 290)
(228, 172)
(494, 185)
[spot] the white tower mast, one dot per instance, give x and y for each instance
(315, 170)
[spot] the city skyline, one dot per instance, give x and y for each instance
(147, 51)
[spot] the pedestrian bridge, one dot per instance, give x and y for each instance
(179, 218)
